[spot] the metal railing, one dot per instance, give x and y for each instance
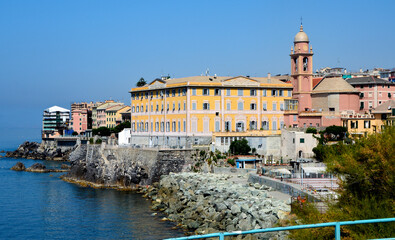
(337, 225)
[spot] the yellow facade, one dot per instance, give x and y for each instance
(203, 106)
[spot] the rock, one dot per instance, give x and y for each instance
(65, 166)
(19, 167)
(2, 151)
(235, 209)
(37, 167)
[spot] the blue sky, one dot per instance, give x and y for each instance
(58, 52)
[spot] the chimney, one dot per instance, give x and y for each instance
(269, 76)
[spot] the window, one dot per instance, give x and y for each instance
(295, 118)
(264, 106)
(206, 106)
(265, 125)
(174, 106)
(305, 64)
(206, 91)
(167, 126)
(179, 106)
(167, 93)
(179, 91)
(217, 92)
(173, 127)
(162, 126)
(274, 105)
(252, 92)
(289, 93)
(185, 126)
(227, 126)
(146, 126)
(301, 140)
(274, 125)
(281, 106)
(331, 109)
(228, 106)
(253, 106)
(133, 127)
(173, 93)
(217, 126)
(133, 96)
(370, 85)
(362, 105)
(157, 107)
(240, 106)
(193, 91)
(253, 125)
(354, 124)
(167, 107)
(137, 109)
(184, 91)
(146, 95)
(281, 93)
(240, 92)
(185, 105)
(389, 95)
(142, 108)
(179, 126)
(366, 124)
(274, 93)
(264, 93)
(133, 109)
(193, 105)
(228, 92)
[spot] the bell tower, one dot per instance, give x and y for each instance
(302, 70)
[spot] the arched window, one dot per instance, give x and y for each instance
(305, 63)
(296, 64)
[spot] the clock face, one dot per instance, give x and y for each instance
(305, 48)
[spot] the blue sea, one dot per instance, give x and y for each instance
(42, 206)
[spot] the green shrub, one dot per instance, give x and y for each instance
(311, 130)
(98, 141)
(231, 161)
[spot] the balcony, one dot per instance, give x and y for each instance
(248, 133)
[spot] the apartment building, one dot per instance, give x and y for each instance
(202, 110)
(55, 121)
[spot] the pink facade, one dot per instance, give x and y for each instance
(348, 102)
(373, 95)
(80, 120)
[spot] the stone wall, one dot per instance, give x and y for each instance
(112, 166)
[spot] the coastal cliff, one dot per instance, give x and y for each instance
(45, 150)
(125, 168)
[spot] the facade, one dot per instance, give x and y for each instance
(101, 116)
(124, 136)
(122, 115)
(55, 121)
(81, 117)
(374, 121)
(205, 109)
(94, 114)
(112, 113)
(297, 144)
(317, 105)
(373, 91)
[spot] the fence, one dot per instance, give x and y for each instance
(337, 226)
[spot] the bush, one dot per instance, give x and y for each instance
(91, 140)
(311, 130)
(232, 162)
(101, 131)
(74, 134)
(98, 141)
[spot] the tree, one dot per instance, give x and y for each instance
(240, 147)
(311, 130)
(366, 171)
(101, 131)
(121, 126)
(141, 82)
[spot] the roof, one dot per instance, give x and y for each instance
(56, 109)
(316, 81)
(334, 85)
(104, 106)
(115, 107)
(385, 107)
(368, 80)
(239, 81)
(301, 36)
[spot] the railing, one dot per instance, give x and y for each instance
(337, 226)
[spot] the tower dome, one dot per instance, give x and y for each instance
(301, 36)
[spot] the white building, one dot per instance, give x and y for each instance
(297, 144)
(55, 121)
(124, 136)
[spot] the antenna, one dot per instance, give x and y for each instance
(301, 20)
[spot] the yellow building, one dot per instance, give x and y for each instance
(371, 122)
(112, 113)
(201, 110)
(120, 113)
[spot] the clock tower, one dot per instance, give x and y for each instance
(302, 70)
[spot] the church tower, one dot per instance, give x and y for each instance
(302, 70)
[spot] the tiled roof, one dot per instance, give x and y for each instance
(334, 85)
(367, 80)
(385, 107)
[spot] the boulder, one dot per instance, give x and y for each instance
(37, 167)
(19, 167)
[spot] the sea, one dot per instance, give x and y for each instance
(42, 206)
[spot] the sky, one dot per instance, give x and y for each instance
(64, 51)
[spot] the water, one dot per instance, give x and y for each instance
(42, 206)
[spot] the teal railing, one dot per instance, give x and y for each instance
(337, 225)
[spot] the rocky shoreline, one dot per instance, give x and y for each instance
(207, 203)
(39, 151)
(38, 168)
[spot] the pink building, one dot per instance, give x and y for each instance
(320, 105)
(373, 91)
(81, 117)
